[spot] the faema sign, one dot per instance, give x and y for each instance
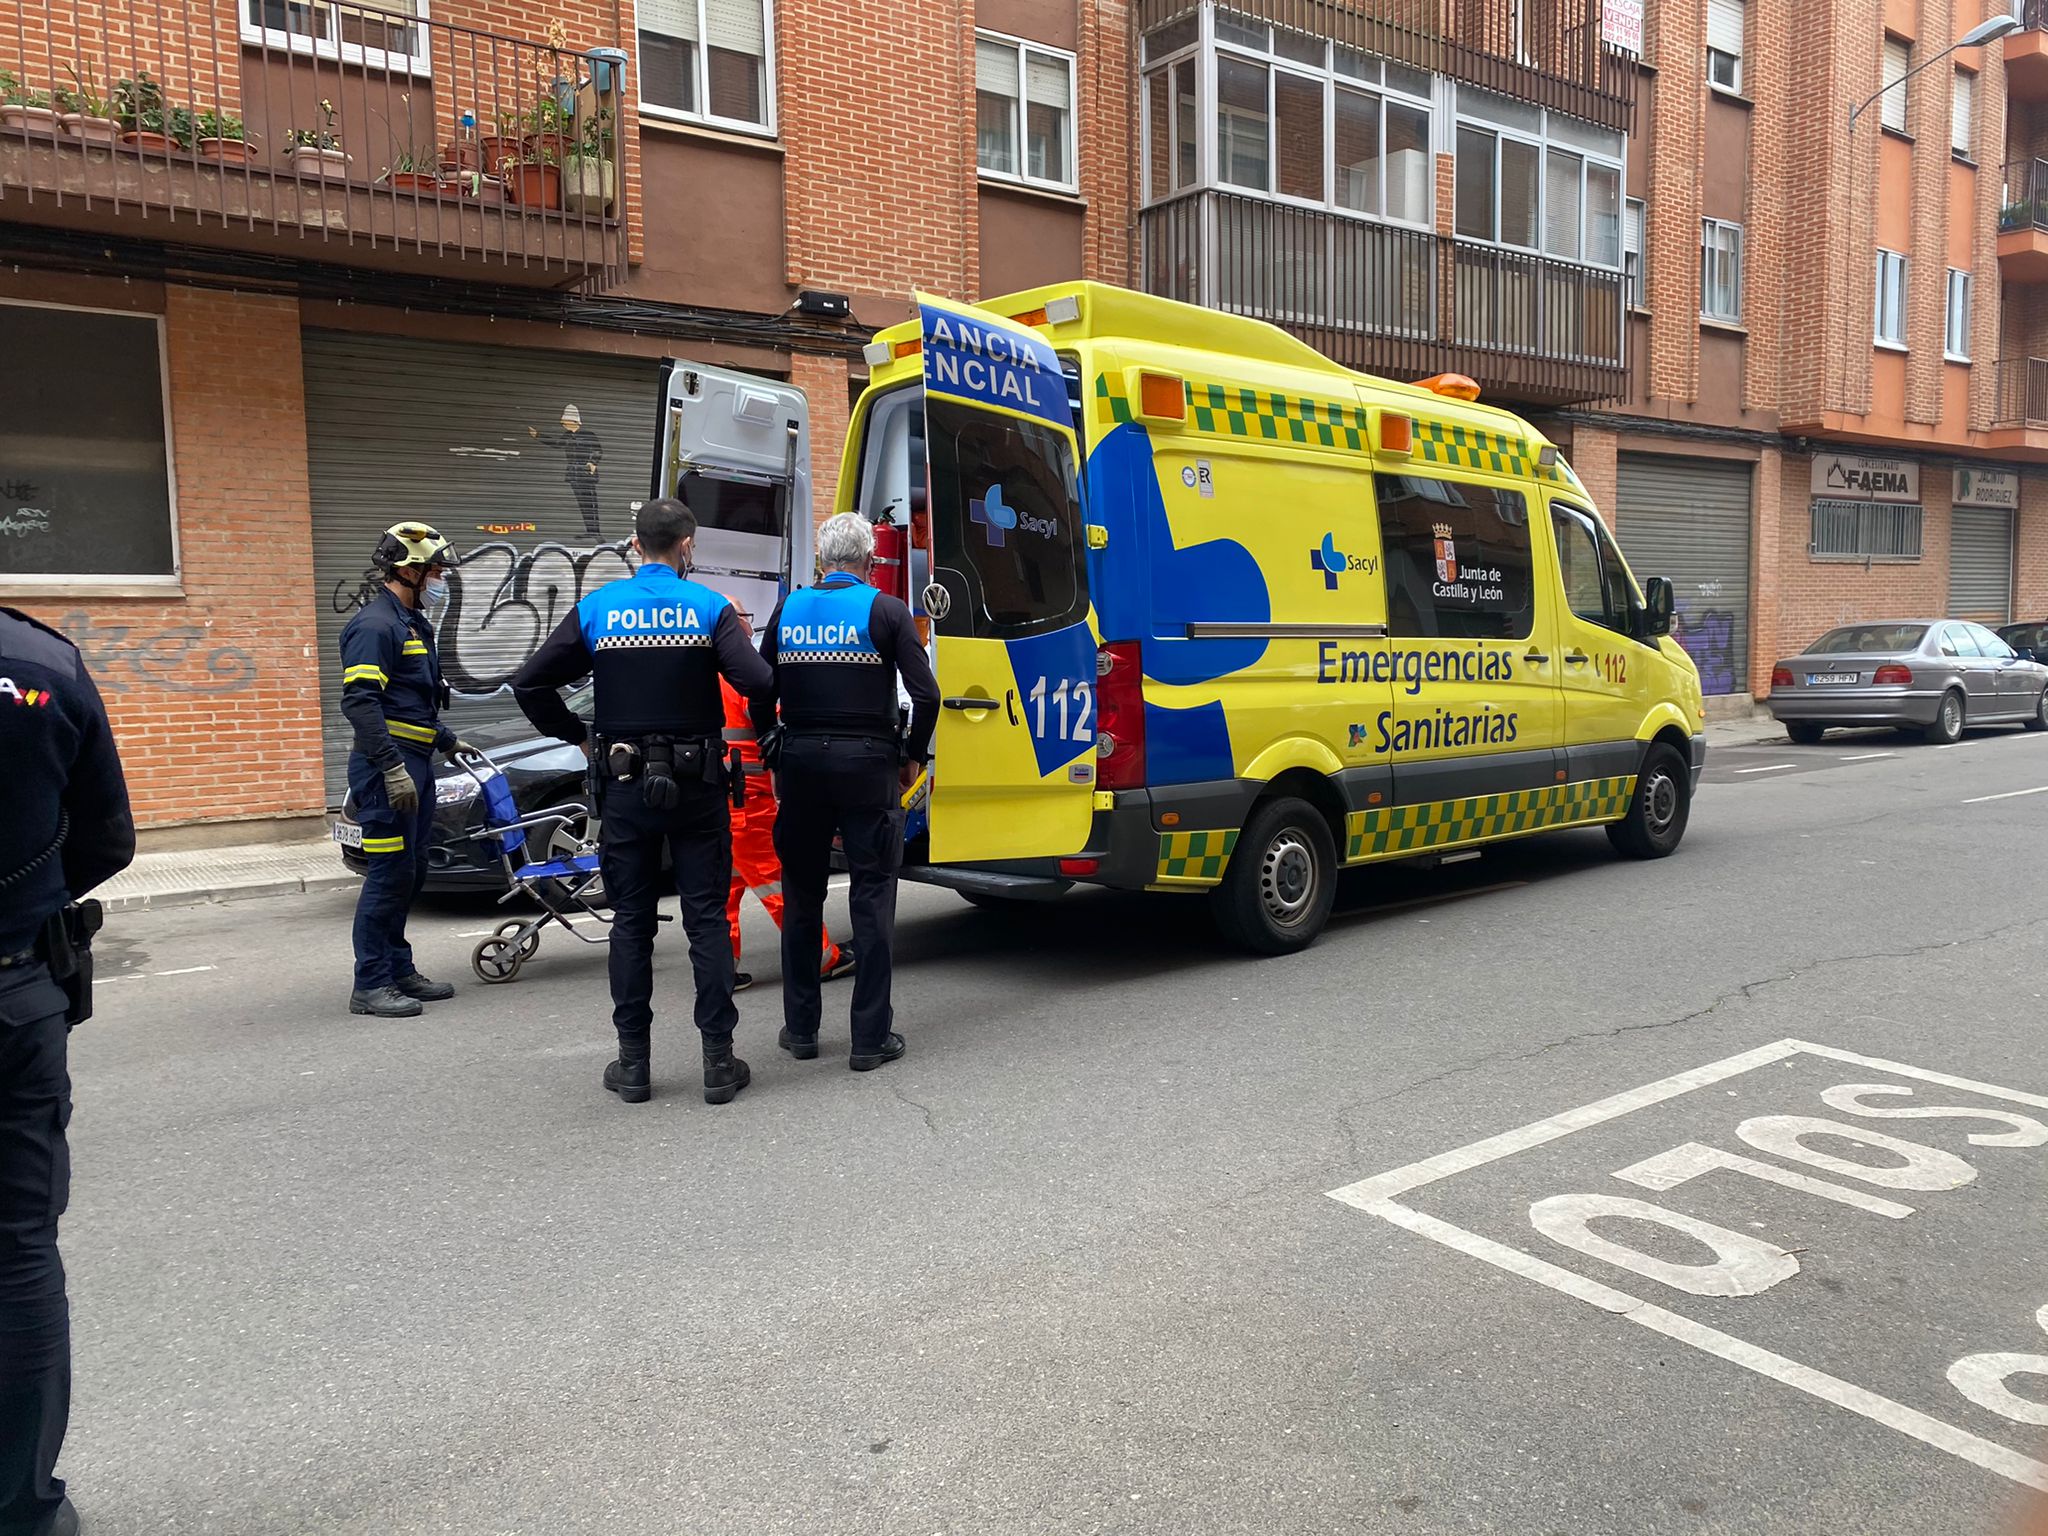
(1998, 488)
(1856, 477)
(1621, 23)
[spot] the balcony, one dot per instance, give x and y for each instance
(2023, 223)
(2026, 54)
(332, 133)
(1545, 51)
(1404, 303)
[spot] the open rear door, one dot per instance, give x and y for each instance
(737, 448)
(1013, 769)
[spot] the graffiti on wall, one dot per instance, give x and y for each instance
(502, 604)
(180, 659)
(1708, 635)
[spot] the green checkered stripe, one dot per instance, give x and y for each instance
(1194, 858)
(1441, 442)
(1411, 828)
(1112, 405)
(1275, 418)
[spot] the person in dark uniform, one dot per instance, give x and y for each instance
(581, 454)
(656, 644)
(392, 694)
(66, 830)
(837, 650)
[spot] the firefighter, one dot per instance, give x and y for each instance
(392, 694)
(754, 864)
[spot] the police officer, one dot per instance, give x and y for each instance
(656, 644)
(392, 693)
(67, 828)
(837, 649)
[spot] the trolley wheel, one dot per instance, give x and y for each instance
(496, 960)
(509, 930)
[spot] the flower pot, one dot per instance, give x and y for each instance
(420, 183)
(496, 148)
(546, 146)
(90, 130)
(147, 143)
(589, 187)
(490, 192)
(226, 151)
(535, 186)
(28, 119)
(308, 161)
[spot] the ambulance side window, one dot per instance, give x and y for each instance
(1595, 586)
(1457, 557)
(1006, 523)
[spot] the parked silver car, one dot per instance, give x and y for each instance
(1934, 675)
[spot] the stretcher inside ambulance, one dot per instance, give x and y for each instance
(1211, 613)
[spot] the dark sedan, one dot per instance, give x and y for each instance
(544, 773)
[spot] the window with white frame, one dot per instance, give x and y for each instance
(708, 61)
(1721, 271)
(1290, 116)
(1962, 117)
(1725, 22)
(378, 35)
(1536, 181)
(1634, 227)
(1898, 60)
(86, 493)
(1955, 343)
(1891, 299)
(1024, 111)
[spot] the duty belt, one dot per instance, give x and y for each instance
(28, 956)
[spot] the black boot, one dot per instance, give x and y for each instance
(61, 1521)
(724, 1073)
(891, 1049)
(422, 990)
(802, 1047)
(630, 1079)
(384, 1003)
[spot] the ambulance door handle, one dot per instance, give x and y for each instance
(1535, 656)
(1575, 658)
(972, 702)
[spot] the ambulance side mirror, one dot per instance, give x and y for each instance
(1657, 607)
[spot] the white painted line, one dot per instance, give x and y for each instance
(1865, 757)
(1966, 1084)
(189, 970)
(1771, 768)
(1987, 1454)
(2010, 794)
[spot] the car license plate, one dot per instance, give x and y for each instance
(1822, 679)
(349, 834)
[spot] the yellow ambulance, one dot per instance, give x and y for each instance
(1213, 614)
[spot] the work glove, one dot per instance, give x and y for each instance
(399, 789)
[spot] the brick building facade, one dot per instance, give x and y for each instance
(1668, 258)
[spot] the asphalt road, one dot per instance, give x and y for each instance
(1072, 1266)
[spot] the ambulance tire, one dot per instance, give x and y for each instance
(1662, 805)
(1282, 877)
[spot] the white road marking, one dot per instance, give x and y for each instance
(1771, 768)
(2010, 794)
(185, 970)
(1375, 1196)
(189, 970)
(1865, 757)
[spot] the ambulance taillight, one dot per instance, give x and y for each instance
(1120, 716)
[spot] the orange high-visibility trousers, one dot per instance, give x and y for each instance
(755, 867)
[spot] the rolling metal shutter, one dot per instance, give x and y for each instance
(398, 428)
(1688, 521)
(1980, 565)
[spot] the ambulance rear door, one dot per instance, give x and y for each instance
(737, 448)
(1013, 768)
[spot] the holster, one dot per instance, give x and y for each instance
(736, 778)
(660, 764)
(66, 945)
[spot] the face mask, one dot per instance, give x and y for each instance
(435, 592)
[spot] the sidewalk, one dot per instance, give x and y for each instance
(239, 872)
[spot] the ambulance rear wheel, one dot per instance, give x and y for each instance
(1663, 802)
(1282, 877)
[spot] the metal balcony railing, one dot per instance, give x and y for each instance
(2022, 392)
(2034, 15)
(337, 123)
(1391, 300)
(2025, 202)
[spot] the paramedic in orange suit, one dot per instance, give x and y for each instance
(754, 864)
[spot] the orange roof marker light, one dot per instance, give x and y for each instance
(1397, 433)
(1160, 396)
(1455, 386)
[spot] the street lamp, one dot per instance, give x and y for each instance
(1989, 30)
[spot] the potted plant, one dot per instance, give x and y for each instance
(495, 149)
(535, 179)
(479, 188)
(84, 112)
(318, 151)
(550, 127)
(148, 121)
(25, 110)
(415, 170)
(590, 181)
(221, 136)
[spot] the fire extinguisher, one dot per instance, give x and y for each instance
(892, 569)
